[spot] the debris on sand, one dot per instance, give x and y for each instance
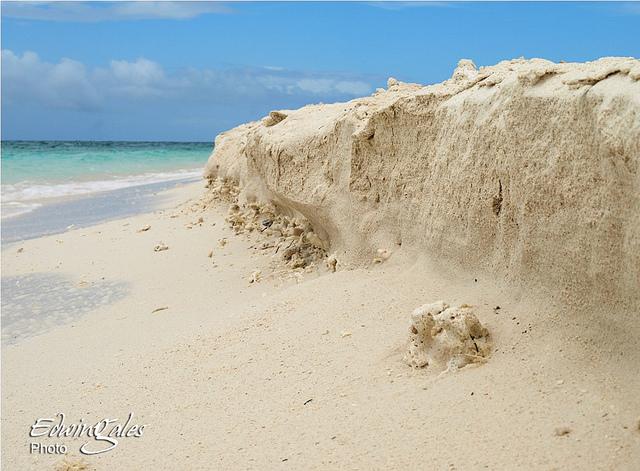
(210, 254)
(293, 239)
(295, 245)
(158, 309)
(144, 228)
(561, 431)
(160, 247)
(446, 338)
(197, 222)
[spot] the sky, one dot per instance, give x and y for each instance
(185, 71)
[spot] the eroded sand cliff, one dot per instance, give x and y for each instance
(528, 170)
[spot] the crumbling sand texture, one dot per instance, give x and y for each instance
(446, 338)
(290, 239)
(528, 170)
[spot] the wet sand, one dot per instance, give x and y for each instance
(59, 215)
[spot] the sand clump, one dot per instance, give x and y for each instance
(528, 170)
(444, 338)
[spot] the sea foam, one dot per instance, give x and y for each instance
(24, 197)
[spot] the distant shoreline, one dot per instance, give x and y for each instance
(57, 215)
(46, 173)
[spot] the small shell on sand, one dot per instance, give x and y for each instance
(160, 247)
(345, 333)
(210, 254)
(144, 228)
(222, 242)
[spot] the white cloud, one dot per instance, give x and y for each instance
(70, 84)
(353, 87)
(142, 71)
(332, 85)
(109, 11)
(315, 85)
(65, 85)
(139, 78)
(167, 10)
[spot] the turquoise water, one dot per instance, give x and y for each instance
(35, 171)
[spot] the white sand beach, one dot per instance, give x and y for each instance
(235, 358)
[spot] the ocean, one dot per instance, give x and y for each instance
(74, 177)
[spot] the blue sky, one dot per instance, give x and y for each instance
(186, 71)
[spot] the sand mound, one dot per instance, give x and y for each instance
(446, 338)
(528, 170)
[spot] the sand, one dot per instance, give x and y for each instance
(237, 358)
(528, 169)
